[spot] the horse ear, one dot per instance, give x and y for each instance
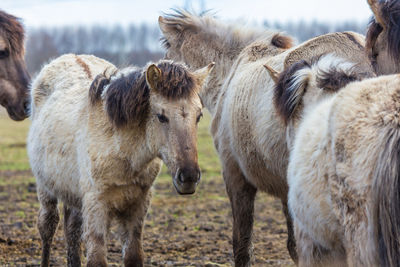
(202, 74)
(153, 76)
(376, 10)
(273, 73)
(290, 89)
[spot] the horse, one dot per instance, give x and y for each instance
(97, 145)
(248, 135)
(383, 36)
(343, 170)
(14, 77)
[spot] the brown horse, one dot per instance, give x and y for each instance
(383, 37)
(14, 78)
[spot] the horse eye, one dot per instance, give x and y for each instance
(162, 118)
(4, 53)
(199, 117)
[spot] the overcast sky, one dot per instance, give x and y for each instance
(70, 12)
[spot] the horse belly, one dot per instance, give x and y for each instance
(254, 136)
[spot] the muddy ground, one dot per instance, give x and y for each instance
(179, 230)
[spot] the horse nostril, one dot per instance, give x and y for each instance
(181, 178)
(26, 106)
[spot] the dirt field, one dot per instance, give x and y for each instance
(179, 230)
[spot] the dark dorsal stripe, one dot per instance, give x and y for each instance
(84, 66)
(351, 38)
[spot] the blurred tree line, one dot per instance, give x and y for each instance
(136, 44)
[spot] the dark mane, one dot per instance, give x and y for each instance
(390, 13)
(176, 81)
(335, 79)
(282, 41)
(128, 95)
(13, 32)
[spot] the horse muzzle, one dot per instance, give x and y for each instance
(186, 180)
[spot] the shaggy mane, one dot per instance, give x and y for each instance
(390, 11)
(13, 32)
(229, 34)
(127, 93)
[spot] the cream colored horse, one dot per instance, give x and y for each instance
(343, 171)
(248, 135)
(98, 150)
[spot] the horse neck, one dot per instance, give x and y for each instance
(211, 92)
(132, 142)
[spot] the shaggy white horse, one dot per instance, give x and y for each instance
(98, 150)
(344, 163)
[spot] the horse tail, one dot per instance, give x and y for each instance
(386, 198)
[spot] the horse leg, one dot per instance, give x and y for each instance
(291, 242)
(131, 228)
(361, 250)
(96, 223)
(47, 224)
(73, 233)
(241, 195)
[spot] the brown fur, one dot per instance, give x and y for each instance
(383, 36)
(84, 66)
(97, 87)
(282, 41)
(288, 94)
(373, 32)
(284, 100)
(13, 31)
(14, 77)
(176, 81)
(335, 79)
(73, 232)
(128, 96)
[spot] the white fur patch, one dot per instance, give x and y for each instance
(330, 61)
(298, 85)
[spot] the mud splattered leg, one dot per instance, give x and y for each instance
(47, 224)
(131, 228)
(73, 235)
(291, 242)
(96, 223)
(241, 195)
